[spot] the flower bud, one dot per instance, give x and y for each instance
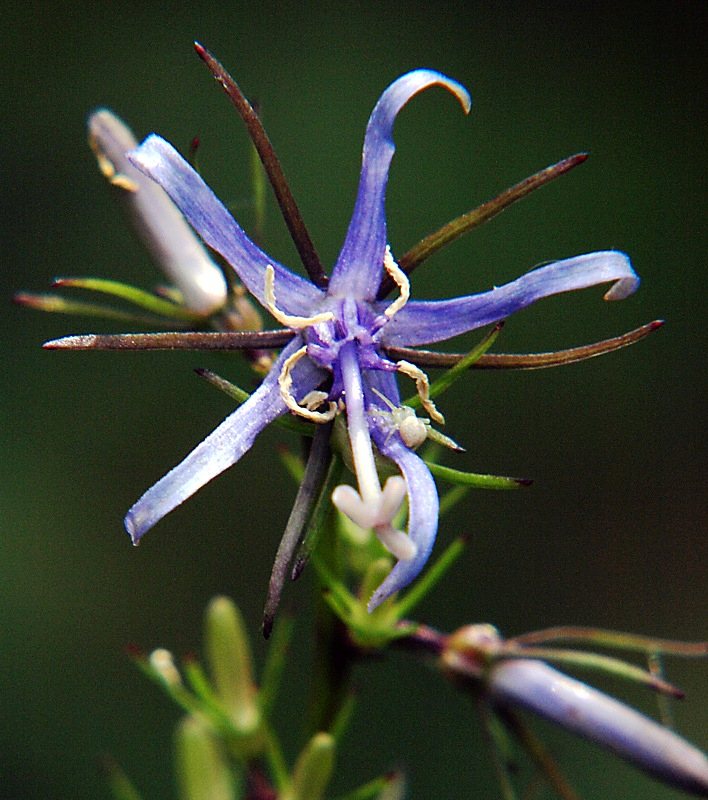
(313, 769)
(229, 652)
(202, 768)
(158, 222)
(162, 661)
(601, 719)
(474, 656)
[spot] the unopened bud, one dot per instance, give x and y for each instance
(229, 653)
(158, 222)
(601, 719)
(202, 767)
(313, 769)
(162, 661)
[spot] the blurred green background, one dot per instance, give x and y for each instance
(611, 533)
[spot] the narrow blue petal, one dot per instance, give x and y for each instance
(601, 719)
(357, 272)
(210, 219)
(223, 447)
(424, 322)
(423, 501)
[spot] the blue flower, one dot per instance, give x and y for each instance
(337, 359)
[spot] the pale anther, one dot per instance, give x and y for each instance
(313, 399)
(422, 385)
(401, 280)
(289, 320)
(285, 382)
(108, 169)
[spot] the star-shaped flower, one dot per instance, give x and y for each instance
(337, 358)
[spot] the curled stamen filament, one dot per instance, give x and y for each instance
(289, 320)
(285, 382)
(400, 279)
(422, 385)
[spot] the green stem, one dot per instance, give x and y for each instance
(334, 653)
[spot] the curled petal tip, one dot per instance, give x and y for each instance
(419, 79)
(627, 284)
(358, 268)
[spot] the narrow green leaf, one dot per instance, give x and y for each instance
(473, 219)
(451, 498)
(448, 378)
(612, 639)
(475, 480)
(539, 753)
(56, 304)
(598, 662)
(500, 747)
(430, 578)
(132, 294)
(276, 659)
(459, 368)
(240, 396)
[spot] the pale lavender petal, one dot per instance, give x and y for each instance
(209, 217)
(427, 321)
(423, 501)
(223, 447)
(601, 719)
(357, 272)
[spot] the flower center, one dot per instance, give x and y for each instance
(344, 338)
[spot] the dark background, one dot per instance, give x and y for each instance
(611, 534)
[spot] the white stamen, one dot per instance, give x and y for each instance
(422, 385)
(285, 382)
(288, 320)
(401, 280)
